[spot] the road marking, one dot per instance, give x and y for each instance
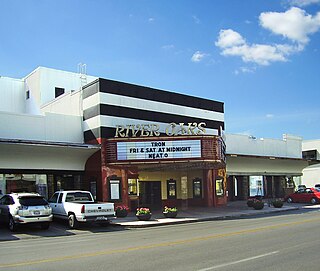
(157, 245)
(239, 261)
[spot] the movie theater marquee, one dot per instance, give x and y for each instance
(151, 150)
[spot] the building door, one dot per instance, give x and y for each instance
(150, 195)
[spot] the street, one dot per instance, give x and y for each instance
(287, 241)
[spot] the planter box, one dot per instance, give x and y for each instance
(121, 213)
(170, 214)
(144, 217)
(258, 205)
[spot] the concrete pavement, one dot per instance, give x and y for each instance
(233, 210)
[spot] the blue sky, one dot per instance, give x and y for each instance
(261, 58)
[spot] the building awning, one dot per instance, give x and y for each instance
(255, 165)
(47, 156)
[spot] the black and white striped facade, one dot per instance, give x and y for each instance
(108, 104)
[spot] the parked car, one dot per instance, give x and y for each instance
(24, 208)
(308, 195)
(79, 206)
(301, 187)
(317, 186)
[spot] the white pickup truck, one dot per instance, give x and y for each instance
(79, 206)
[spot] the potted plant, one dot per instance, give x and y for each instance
(122, 211)
(250, 202)
(277, 203)
(170, 212)
(143, 213)
(258, 204)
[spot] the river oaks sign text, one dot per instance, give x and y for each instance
(172, 129)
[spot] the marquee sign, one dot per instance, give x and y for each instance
(158, 150)
(172, 129)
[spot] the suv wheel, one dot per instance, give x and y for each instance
(12, 225)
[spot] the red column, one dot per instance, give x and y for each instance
(104, 172)
(124, 185)
(208, 186)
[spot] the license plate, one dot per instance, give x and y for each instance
(36, 212)
(101, 218)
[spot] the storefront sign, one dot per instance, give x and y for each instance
(173, 129)
(150, 150)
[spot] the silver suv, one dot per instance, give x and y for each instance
(24, 208)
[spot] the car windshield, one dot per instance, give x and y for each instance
(78, 196)
(32, 201)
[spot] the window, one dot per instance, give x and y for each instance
(27, 94)
(54, 198)
(60, 198)
(7, 200)
(58, 92)
(172, 189)
(219, 187)
(197, 188)
(32, 201)
(132, 186)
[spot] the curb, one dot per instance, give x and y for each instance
(195, 220)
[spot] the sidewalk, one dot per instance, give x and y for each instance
(235, 209)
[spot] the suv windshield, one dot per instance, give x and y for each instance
(32, 201)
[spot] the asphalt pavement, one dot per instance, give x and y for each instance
(233, 210)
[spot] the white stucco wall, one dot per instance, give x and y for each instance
(311, 174)
(43, 81)
(50, 127)
(288, 147)
(68, 103)
(12, 95)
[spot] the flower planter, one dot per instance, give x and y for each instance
(250, 202)
(258, 205)
(121, 213)
(277, 204)
(170, 214)
(144, 217)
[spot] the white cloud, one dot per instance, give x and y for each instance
(269, 116)
(245, 70)
(168, 47)
(196, 19)
(294, 24)
(233, 44)
(303, 3)
(198, 56)
(151, 20)
(229, 38)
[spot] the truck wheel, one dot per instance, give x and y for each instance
(73, 223)
(12, 225)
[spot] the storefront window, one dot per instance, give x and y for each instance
(219, 187)
(197, 188)
(172, 189)
(256, 186)
(24, 183)
(132, 186)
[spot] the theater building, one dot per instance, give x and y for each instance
(157, 147)
(128, 144)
